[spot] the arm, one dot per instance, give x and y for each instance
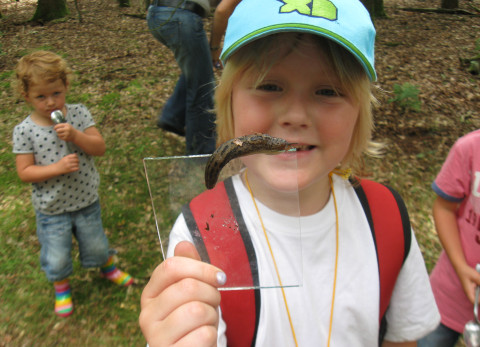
(179, 304)
(398, 344)
(90, 140)
(29, 172)
(220, 20)
(444, 214)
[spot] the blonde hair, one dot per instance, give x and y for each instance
(39, 67)
(252, 60)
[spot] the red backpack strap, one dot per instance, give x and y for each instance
(230, 248)
(390, 225)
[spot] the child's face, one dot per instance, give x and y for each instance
(301, 100)
(46, 97)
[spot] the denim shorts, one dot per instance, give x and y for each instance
(55, 235)
(442, 336)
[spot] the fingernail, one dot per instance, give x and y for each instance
(221, 278)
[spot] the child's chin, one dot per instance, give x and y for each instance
(282, 182)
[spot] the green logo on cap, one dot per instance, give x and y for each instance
(316, 8)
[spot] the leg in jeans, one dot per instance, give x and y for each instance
(55, 236)
(442, 336)
(164, 24)
(191, 103)
(93, 244)
(173, 113)
(92, 241)
(197, 68)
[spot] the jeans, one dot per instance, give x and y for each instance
(442, 336)
(55, 236)
(190, 107)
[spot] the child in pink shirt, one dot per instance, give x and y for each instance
(456, 211)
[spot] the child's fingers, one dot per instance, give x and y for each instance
(469, 278)
(196, 324)
(174, 269)
(203, 336)
(61, 128)
(70, 163)
(193, 320)
(72, 156)
(180, 293)
(185, 264)
(186, 249)
(73, 160)
(64, 131)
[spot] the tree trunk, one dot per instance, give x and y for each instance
(48, 10)
(449, 4)
(369, 5)
(375, 8)
(379, 10)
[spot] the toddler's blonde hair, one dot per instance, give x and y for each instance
(40, 67)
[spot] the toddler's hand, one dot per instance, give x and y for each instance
(69, 163)
(180, 302)
(65, 131)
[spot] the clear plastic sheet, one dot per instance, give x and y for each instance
(174, 181)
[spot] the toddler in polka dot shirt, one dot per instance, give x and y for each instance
(58, 159)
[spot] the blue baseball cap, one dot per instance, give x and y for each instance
(346, 22)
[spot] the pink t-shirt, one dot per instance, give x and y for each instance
(459, 181)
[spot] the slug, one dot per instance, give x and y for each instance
(239, 147)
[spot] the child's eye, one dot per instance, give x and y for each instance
(269, 87)
(329, 92)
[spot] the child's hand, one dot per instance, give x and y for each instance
(69, 163)
(180, 302)
(65, 132)
(470, 279)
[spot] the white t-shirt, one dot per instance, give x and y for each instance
(412, 312)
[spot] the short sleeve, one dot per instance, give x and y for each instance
(413, 312)
(453, 182)
(22, 141)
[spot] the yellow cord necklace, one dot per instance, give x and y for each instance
(275, 263)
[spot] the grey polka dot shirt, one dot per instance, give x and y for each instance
(67, 192)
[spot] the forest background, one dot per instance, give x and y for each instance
(427, 99)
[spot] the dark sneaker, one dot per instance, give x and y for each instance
(170, 128)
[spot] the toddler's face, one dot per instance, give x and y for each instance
(301, 100)
(46, 97)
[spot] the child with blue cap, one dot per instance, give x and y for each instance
(301, 71)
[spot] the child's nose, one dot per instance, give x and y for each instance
(296, 112)
(50, 100)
